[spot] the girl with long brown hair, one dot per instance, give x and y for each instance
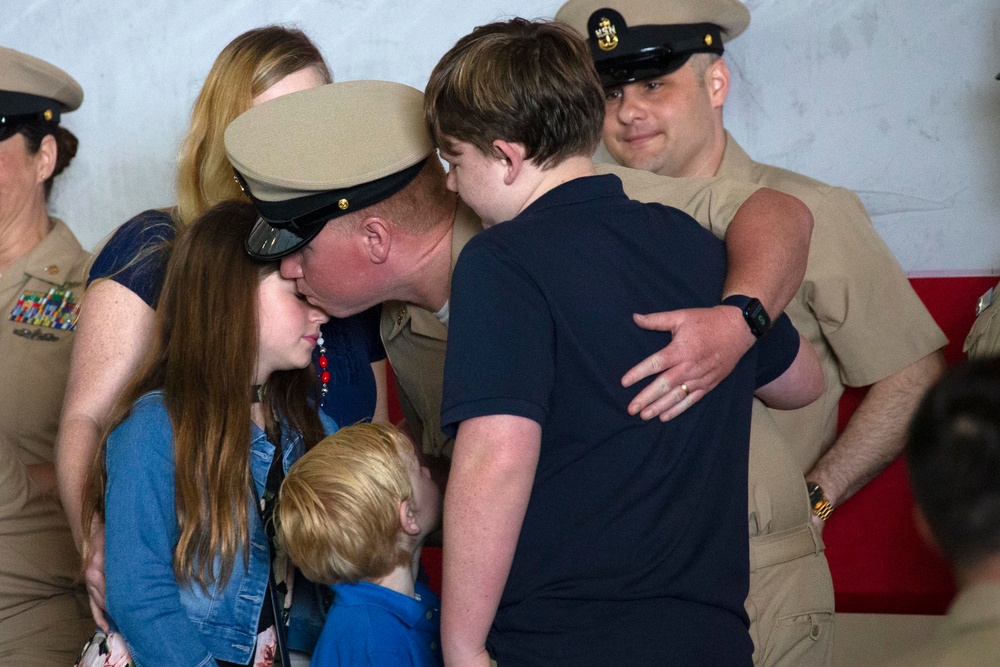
(196, 449)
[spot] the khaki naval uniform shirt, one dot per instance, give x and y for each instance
(855, 305)
(969, 636)
(41, 609)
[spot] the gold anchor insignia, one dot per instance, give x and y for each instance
(343, 204)
(708, 40)
(607, 36)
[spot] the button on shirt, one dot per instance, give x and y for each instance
(369, 624)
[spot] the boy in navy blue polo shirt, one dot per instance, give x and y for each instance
(354, 512)
(575, 533)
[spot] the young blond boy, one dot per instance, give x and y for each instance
(354, 513)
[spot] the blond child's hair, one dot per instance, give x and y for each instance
(338, 509)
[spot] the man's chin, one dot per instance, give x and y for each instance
(336, 310)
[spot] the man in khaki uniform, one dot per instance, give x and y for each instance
(666, 83)
(954, 462)
(44, 618)
(379, 249)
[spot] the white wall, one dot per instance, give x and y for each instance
(892, 98)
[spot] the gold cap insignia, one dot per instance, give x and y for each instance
(708, 40)
(343, 204)
(607, 36)
(47, 114)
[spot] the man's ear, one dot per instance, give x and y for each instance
(377, 238)
(45, 158)
(717, 82)
(408, 520)
(512, 156)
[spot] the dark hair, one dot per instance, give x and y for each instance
(66, 144)
(531, 83)
(954, 460)
(203, 358)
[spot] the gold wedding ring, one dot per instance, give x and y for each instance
(687, 392)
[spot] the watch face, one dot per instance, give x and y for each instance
(757, 318)
(815, 493)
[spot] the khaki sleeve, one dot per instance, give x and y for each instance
(711, 201)
(984, 338)
(864, 304)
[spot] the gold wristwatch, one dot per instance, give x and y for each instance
(820, 506)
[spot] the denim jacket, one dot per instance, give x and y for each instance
(164, 622)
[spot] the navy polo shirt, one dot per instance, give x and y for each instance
(634, 547)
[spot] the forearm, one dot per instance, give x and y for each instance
(876, 432)
(73, 463)
(767, 245)
(489, 486)
(113, 331)
(801, 384)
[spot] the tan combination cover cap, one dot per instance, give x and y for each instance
(311, 156)
(29, 85)
(632, 40)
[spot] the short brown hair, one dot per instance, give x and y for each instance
(338, 510)
(526, 82)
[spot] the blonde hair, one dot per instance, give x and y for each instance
(338, 510)
(249, 65)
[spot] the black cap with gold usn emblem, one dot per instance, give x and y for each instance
(311, 156)
(32, 90)
(632, 40)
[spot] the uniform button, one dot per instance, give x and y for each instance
(430, 615)
(434, 646)
(814, 631)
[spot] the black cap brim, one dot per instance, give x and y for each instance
(284, 227)
(267, 243)
(619, 71)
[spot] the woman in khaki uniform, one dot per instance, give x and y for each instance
(44, 617)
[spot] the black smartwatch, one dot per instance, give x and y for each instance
(753, 312)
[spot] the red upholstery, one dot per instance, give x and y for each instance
(879, 563)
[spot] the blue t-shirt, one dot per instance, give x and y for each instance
(633, 549)
(136, 256)
(372, 625)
